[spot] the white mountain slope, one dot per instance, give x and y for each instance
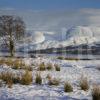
(73, 36)
(81, 35)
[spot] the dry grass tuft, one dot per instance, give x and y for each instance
(7, 77)
(48, 77)
(10, 78)
(68, 87)
(1, 61)
(57, 67)
(42, 67)
(60, 57)
(38, 79)
(54, 81)
(15, 64)
(96, 92)
(26, 78)
(49, 66)
(84, 84)
(1, 83)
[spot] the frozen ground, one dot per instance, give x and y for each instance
(70, 71)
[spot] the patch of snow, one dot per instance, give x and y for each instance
(70, 71)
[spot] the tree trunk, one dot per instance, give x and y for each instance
(11, 48)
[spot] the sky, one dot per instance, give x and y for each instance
(54, 16)
(51, 19)
(49, 4)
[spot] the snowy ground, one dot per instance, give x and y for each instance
(70, 71)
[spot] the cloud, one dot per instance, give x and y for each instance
(7, 9)
(92, 16)
(38, 37)
(57, 20)
(52, 25)
(35, 38)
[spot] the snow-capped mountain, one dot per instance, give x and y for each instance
(74, 36)
(81, 35)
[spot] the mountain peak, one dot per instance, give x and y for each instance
(79, 31)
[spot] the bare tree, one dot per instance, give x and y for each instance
(12, 28)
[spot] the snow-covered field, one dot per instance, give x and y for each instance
(71, 71)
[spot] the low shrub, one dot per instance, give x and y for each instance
(49, 66)
(60, 57)
(16, 79)
(10, 78)
(26, 78)
(2, 61)
(7, 77)
(38, 79)
(10, 83)
(84, 83)
(1, 83)
(96, 93)
(42, 67)
(57, 67)
(9, 62)
(48, 77)
(54, 81)
(68, 87)
(29, 68)
(72, 59)
(17, 64)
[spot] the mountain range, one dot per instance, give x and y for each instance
(74, 39)
(73, 36)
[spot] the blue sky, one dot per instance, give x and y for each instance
(54, 15)
(49, 4)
